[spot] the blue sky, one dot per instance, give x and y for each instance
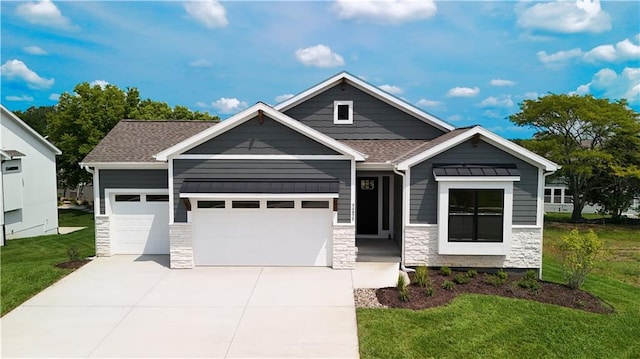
(466, 62)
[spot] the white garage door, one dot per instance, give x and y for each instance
(139, 223)
(264, 232)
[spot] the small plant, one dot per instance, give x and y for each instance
(530, 281)
(72, 252)
(422, 276)
(461, 278)
(471, 273)
(448, 285)
(401, 285)
(446, 271)
(403, 295)
(429, 290)
(494, 279)
(579, 253)
(531, 275)
(502, 274)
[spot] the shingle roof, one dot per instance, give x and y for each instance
(436, 141)
(139, 140)
(382, 151)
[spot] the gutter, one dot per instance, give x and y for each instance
(404, 217)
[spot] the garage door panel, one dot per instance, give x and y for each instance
(139, 227)
(300, 237)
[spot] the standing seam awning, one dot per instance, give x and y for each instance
(284, 186)
(464, 170)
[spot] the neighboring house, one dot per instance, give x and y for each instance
(298, 183)
(28, 198)
(557, 198)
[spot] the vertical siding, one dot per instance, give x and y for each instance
(372, 118)
(131, 179)
(269, 169)
(268, 138)
(424, 188)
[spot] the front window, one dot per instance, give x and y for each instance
(476, 215)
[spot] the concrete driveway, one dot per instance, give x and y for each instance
(130, 306)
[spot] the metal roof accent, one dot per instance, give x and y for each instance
(260, 186)
(476, 170)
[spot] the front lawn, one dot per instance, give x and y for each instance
(480, 326)
(27, 265)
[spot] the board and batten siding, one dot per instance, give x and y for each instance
(143, 179)
(372, 118)
(424, 188)
(264, 169)
(268, 138)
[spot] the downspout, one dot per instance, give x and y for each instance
(404, 217)
(544, 179)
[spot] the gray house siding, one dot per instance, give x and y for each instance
(131, 179)
(424, 188)
(372, 118)
(268, 138)
(268, 169)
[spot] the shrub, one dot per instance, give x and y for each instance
(579, 252)
(422, 276)
(448, 285)
(531, 274)
(502, 274)
(472, 273)
(446, 271)
(461, 278)
(531, 284)
(403, 295)
(494, 279)
(402, 282)
(429, 290)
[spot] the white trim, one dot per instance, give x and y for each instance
(477, 178)
(354, 183)
(540, 198)
(336, 120)
(258, 196)
(248, 114)
(489, 137)
(369, 89)
(418, 225)
(96, 193)
(172, 204)
(126, 165)
(474, 248)
(526, 226)
(30, 130)
(406, 192)
(262, 157)
(379, 166)
(108, 192)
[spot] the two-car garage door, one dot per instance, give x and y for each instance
(285, 232)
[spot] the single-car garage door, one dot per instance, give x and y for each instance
(278, 232)
(139, 223)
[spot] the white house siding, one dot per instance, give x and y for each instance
(39, 213)
(421, 248)
(344, 246)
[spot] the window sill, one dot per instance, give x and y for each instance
(473, 248)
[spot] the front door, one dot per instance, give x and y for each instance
(367, 204)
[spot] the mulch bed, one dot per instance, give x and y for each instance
(551, 293)
(73, 264)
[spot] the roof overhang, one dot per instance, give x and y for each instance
(251, 112)
(489, 137)
(369, 89)
(125, 165)
(30, 130)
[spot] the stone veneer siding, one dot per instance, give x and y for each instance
(421, 248)
(103, 241)
(344, 246)
(180, 245)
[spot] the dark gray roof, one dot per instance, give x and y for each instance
(436, 141)
(381, 151)
(260, 186)
(476, 170)
(139, 140)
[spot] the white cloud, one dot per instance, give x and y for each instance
(454, 118)
(610, 84)
(209, 13)
(623, 50)
(493, 102)
(559, 58)
(229, 105)
(567, 17)
(202, 104)
(319, 56)
(385, 11)
(500, 82)
(531, 95)
(16, 69)
(392, 89)
(34, 50)
(54, 97)
(284, 97)
(428, 103)
(200, 63)
(463, 92)
(101, 83)
(44, 13)
(19, 98)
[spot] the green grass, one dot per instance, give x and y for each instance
(27, 265)
(477, 326)
(566, 216)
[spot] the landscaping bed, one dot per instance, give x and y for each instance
(547, 292)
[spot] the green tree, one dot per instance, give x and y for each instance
(579, 133)
(36, 117)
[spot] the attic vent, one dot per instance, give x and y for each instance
(343, 112)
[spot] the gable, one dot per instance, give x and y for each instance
(372, 117)
(266, 137)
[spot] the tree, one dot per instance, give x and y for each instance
(36, 117)
(580, 133)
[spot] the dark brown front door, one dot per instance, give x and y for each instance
(367, 206)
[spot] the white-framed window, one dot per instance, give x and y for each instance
(474, 217)
(557, 195)
(343, 112)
